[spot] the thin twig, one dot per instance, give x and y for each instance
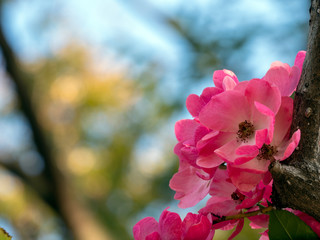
(243, 215)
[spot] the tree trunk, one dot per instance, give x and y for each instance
(297, 180)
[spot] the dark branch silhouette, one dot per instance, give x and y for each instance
(20, 78)
(58, 194)
(297, 181)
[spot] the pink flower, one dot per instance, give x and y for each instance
(207, 145)
(286, 78)
(247, 114)
(146, 229)
(301, 55)
(237, 130)
(224, 80)
(197, 142)
(198, 161)
(170, 227)
(191, 185)
(246, 176)
(227, 200)
(196, 226)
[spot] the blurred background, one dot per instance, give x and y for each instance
(90, 92)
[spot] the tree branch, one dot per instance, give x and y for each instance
(59, 195)
(20, 78)
(243, 215)
(297, 180)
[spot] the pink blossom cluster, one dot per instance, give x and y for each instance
(237, 130)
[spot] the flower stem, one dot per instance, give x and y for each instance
(243, 215)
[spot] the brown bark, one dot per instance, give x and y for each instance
(297, 181)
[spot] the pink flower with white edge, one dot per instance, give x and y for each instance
(224, 80)
(246, 176)
(170, 227)
(247, 114)
(286, 78)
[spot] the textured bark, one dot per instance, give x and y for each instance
(297, 181)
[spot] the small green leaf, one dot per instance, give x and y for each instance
(292, 95)
(4, 235)
(285, 225)
(260, 206)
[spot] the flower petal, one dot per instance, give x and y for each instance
(265, 118)
(259, 221)
(283, 120)
(185, 129)
(238, 229)
(145, 227)
(170, 226)
(225, 111)
(300, 59)
(221, 185)
(219, 75)
(209, 92)
(255, 166)
(189, 187)
(294, 78)
(247, 150)
(207, 145)
(194, 104)
(285, 150)
(262, 91)
(228, 152)
(153, 236)
(220, 207)
(245, 181)
(195, 227)
(209, 161)
(262, 137)
(228, 83)
(283, 78)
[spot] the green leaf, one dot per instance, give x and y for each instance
(285, 225)
(4, 235)
(293, 94)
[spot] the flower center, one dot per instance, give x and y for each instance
(267, 152)
(237, 196)
(246, 129)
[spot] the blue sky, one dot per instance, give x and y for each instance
(108, 22)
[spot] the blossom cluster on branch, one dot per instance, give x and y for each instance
(237, 130)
